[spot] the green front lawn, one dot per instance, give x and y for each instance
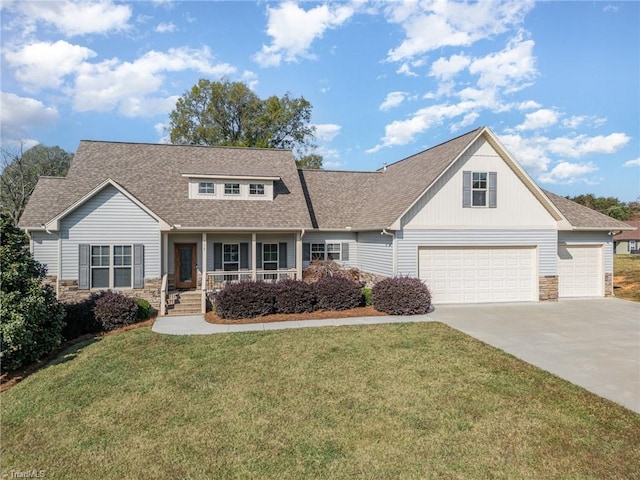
(397, 401)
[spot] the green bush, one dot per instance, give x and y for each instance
(31, 318)
(401, 296)
(367, 296)
(145, 310)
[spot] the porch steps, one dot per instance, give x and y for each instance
(184, 303)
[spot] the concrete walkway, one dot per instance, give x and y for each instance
(594, 343)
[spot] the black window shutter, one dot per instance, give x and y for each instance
(217, 256)
(244, 256)
(306, 252)
(345, 252)
(493, 189)
(138, 266)
(258, 255)
(466, 189)
(282, 255)
(83, 267)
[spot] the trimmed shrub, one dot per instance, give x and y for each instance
(294, 296)
(80, 318)
(337, 293)
(401, 296)
(144, 309)
(246, 300)
(114, 310)
(367, 296)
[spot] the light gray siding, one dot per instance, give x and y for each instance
(335, 237)
(45, 250)
(375, 253)
(591, 238)
(410, 240)
(109, 218)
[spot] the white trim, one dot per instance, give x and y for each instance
(231, 177)
(54, 223)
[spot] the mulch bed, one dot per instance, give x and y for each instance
(211, 317)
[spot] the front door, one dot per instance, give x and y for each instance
(185, 265)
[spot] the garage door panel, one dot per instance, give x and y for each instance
(580, 272)
(479, 275)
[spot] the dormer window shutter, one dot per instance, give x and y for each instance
(466, 189)
(493, 189)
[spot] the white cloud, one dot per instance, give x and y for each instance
(294, 29)
(581, 145)
(18, 114)
(405, 69)
(113, 84)
(610, 9)
(444, 69)
(393, 100)
(45, 64)
(528, 105)
(77, 18)
(542, 118)
(577, 121)
(434, 24)
(327, 131)
(165, 28)
(568, 173)
(162, 129)
(250, 79)
(632, 163)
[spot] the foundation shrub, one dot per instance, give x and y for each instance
(294, 296)
(80, 319)
(246, 300)
(401, 296)
(337, 293)
(145, 310)
(114, 310)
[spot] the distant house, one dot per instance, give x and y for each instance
(168, 221)
(628, 241)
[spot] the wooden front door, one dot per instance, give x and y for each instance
(186, 272)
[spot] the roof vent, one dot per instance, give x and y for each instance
(384, 167)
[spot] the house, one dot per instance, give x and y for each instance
(628, 241)
(168, 221)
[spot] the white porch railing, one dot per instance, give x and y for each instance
(217, 280)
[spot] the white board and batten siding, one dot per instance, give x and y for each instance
(45, 250)
(375, 253)
(583, 260)
(109, 218)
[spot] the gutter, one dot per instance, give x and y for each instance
(394, 248)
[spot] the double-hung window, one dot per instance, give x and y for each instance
(256, 189)
(479, 189)
(206, 188)
(270, 256)
(111, 266)
(231, 257)
(317, 251)
(333, 251)
(232, 189)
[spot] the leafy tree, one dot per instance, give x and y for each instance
(610, 206)
(229, 114)
(31, 318)
(311, 161)
(20, 172)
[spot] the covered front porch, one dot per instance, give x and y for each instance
(197, 264)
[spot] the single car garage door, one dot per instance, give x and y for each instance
(580, 271)
(479, 275)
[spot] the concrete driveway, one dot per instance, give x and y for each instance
(594, 343)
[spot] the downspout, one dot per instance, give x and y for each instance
(393, 249)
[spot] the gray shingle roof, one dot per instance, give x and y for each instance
(153, 174)
(582, 217)
(377, 199)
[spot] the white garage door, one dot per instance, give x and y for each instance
(580, 271)
(479, 275)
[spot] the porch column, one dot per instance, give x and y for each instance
(165, 253)
(298, 256)
(254, 264)
(203, 268)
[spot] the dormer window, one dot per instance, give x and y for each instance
(479, 189)
(232, 189)
(206, 188)
(256, 189)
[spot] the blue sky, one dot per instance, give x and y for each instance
(558, 82)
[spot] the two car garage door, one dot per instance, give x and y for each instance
(506, 274)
